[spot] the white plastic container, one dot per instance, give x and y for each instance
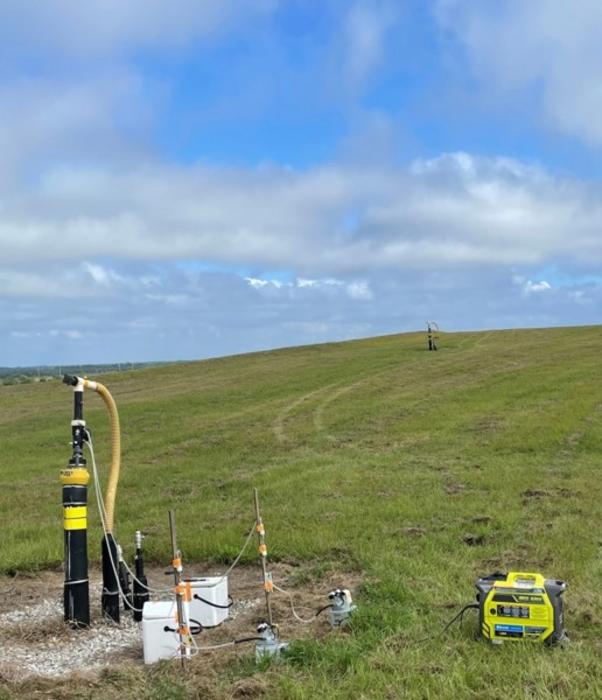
(158, 642)
(213, 589)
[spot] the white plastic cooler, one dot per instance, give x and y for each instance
(160, 643)
(213, 589)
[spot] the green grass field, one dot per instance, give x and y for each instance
(420, 470)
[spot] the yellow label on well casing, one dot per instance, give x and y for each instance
(75, 518)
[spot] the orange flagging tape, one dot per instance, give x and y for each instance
(268, 586)
(185, 590)
(263, 550)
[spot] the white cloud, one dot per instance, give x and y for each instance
(363, 47)
(301, 282)
(40, 279)
(360, 290)
(54, 123)
(197, 314)
(257, 283)
(173, 299)
(90, 29)
(536, 287)
(24, 334)
(102, 275)
(28, 284)
(552, 48)
(453, 211)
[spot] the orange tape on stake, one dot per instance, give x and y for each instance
(268, 586)
(260, 528)
(185, 590)
(263, 550)
(176, 563)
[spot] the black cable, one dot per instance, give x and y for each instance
(198, 629)
(458, 616)
(321, 610)
(215, 605)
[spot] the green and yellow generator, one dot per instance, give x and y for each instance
(517, 607)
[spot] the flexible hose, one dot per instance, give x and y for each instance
(215, 605)
(304, 620)
(111, 492)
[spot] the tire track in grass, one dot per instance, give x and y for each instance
(478, 341)
(321, 409)
(318, 414)
(555, 489)
(483, 338)
(279, 424)
(572, 440)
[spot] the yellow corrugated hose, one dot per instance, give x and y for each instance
(111, 492)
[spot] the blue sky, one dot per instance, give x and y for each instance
(204, 177)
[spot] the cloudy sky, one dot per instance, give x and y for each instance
(193, 178)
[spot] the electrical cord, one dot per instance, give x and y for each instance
(324, 607)
(304, 620)
(455, 618)
(198, 628)
(238, 557)
(224, 645)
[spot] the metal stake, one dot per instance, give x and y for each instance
(263, 554)
(183, 630)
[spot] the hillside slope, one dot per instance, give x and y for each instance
(421, 471)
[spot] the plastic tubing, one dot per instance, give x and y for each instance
(111, 492)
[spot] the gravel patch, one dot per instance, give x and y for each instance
(56, 649)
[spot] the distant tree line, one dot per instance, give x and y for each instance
(44, 373)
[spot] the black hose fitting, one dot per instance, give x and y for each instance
(215, 605)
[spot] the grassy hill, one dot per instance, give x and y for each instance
(419, 471)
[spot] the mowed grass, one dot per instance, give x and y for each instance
(422, 471)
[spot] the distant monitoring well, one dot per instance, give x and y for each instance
(432, 332)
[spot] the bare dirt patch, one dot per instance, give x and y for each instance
(413, 531)
(34, 641)
(473, 540)
(454, 488)
(530, 494)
